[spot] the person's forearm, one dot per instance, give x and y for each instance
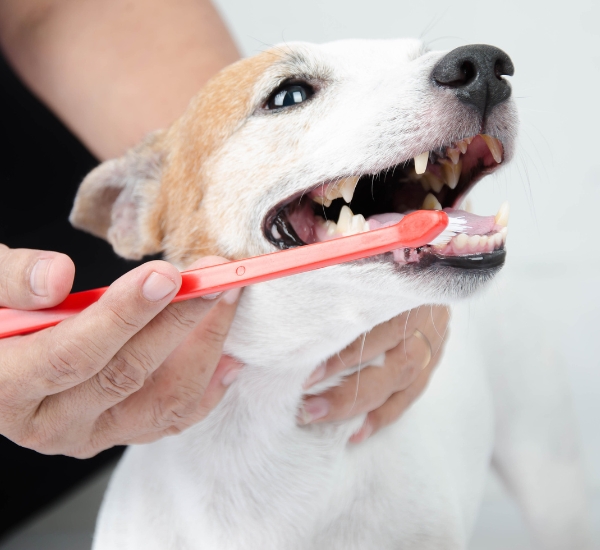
(114, 70)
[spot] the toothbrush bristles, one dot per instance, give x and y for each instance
(455, 226)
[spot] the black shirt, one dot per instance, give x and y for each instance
(41, 166)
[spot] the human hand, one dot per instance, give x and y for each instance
(413, 344)
(94, 380)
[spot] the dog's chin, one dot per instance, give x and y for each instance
(448, 279)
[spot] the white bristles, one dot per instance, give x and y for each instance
(455, 226)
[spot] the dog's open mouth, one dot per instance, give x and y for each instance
(438, 179)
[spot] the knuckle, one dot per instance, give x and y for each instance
(124, 322)
(179, 319)
(125, 374)
(177, 411)
(215, 336)
(69, 361)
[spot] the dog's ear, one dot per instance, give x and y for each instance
(117, 200)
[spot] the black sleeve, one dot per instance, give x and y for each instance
(41, 166)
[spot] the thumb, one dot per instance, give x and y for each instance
(34, 279)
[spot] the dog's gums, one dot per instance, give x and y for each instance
(438, 179)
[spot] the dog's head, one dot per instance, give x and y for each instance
(307, 142)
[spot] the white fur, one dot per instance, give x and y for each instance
(248, 477)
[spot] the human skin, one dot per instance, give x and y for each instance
(113, 70)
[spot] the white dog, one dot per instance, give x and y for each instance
(299, 144)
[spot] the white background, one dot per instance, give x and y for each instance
(553, 186)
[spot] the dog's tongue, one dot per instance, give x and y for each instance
(476, 225)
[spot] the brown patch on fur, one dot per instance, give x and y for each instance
(213, 116)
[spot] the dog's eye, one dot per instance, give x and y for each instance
(289, 95)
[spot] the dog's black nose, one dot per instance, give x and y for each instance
(475, 74)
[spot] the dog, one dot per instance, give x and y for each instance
(299, 144)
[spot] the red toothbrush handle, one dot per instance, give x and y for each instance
(414, 230)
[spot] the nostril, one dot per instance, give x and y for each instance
(469, 71)
(461, 76)
(499, 69)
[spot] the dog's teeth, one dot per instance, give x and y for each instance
(494, 146)
(331, 227)
(452, 173)
(462, 146)
(502, 215)
(504, 233)
(473, 243)
(275, 232)
(347, 187)
(431, 203)
(333, 192)
(421, 162)
(425, 183)
(345, 220)
(322, 200)
(435, 183)
(460, 242)
(358, 224)
(453, 155)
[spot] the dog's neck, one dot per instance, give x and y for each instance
(282, 331)
(295, 323)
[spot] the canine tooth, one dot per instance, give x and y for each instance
(502, 215)
(431, 203)
(452, 173)
(462, 146)
(347, 187)
(322, 200)
(453, 154)
(345, 220)
(494, 146)
(468, 140)
(460, 241)
(421, 162)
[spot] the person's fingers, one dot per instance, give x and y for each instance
(366, 347)
(370, 387)
(393, 408)
(64, 356)
(187, 386)
(34, 279)
(197, 408)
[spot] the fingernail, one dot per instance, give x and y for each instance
(157, 286)
(231, 296)
(317, 375)
(228, 379)
(212, 296)
(362, 434)
(37, 279)
(313, 409)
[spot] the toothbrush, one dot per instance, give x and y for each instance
(412, 231)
